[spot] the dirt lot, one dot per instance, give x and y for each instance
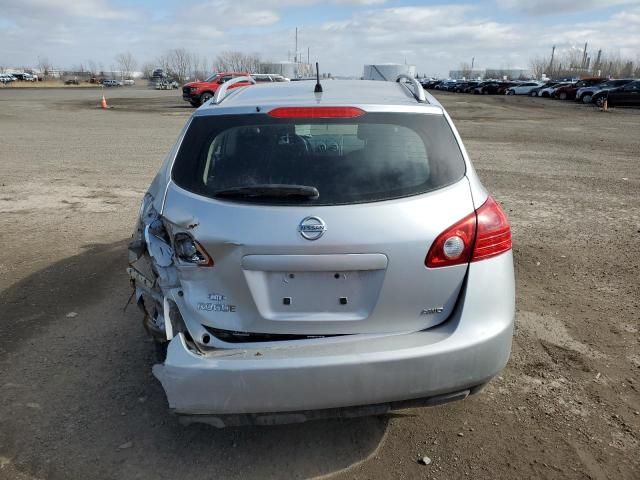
(77, 397)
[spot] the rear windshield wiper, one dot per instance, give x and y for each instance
(269, 190)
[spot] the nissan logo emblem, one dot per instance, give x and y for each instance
(312, 228)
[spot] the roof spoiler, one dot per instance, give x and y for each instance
(418, 91)
(221, 92)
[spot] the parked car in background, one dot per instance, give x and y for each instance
(536, 91)
(72, 81)
(492, 87)
(129, 81)
(197, 93)
(446, 85)
(465, 87)
(286, 280)
(568, 92)
(110, 83)
(585, 94)
(459, 86)
(625, 96)
(268, 77)
(24, 77)
(523, 88)
(484, 88)
(166, 84)
(7, 78)
(548, 90)
(504, 86)
(431, 84)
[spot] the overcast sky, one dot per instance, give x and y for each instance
(341, 34)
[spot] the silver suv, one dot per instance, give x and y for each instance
(308, 254)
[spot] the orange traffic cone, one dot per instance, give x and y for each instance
(103, 103)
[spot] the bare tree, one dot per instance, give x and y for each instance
(232, 61)
(126, 64)
(539, 66)
(164, 62)
(181, 63)
(200, 70)
(44, 66)
(573, 63)
(93, 68)
(147, 70)
(176, 63)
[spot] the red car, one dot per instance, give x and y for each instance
(568, 92)
(197, 93)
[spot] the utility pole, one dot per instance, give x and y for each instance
(473, 61)
(295, 56)
(553, 51)
(308, 50)
(597, 64)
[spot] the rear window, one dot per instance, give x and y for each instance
(378, 156)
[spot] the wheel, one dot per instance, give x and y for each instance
(586, 98)
(510, 92)
(205, 97)
(562, 96)
(544, 94)
(599, 101)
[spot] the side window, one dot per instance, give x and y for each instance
(632, 87)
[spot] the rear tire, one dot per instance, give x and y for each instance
(510, 92)
(599, 101)
(586, 98)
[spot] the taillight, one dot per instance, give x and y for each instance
(316, 112)
(454, 245)
(189, 250)
(482, 234)
(494, 234)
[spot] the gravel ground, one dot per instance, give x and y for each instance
(77, 397)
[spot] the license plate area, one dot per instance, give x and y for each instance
(317, 295)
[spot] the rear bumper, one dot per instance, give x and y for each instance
(333, 373)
